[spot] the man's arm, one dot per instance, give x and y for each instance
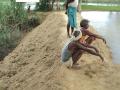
(89, 50)
(94, 35)
(89, 46)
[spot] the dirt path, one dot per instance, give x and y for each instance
(35, 63)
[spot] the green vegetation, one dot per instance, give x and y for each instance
(100, 8)
(44, 5)
(14, 22)
(11, 16)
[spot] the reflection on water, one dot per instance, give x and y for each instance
(108, 25)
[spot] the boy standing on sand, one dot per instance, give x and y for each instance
(72, 49)
(71, 11)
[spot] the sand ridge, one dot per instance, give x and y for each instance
(35, 63)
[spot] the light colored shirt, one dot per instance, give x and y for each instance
(74, 3)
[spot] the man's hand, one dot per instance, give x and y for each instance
(104, 40)
(96, 50)
(101, 58)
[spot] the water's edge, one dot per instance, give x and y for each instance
(107, 24)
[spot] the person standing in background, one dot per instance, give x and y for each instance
(72, 6)
(28, 9)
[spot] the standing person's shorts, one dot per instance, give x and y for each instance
(71, 12)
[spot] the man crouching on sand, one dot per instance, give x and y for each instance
(87, 36)
(73, 48)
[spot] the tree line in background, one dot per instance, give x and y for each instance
(47, 5)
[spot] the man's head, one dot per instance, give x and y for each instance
(77, 34)
(84, 23)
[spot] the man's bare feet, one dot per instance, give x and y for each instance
(68, 36)
(76, 65)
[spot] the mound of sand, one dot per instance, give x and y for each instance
(35, 63)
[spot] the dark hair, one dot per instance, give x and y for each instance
(76, 33)
(84, 22)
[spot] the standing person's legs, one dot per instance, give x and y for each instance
(71, 12)
(74, 21)
(68, 30)
(72, 29)
(69, 21)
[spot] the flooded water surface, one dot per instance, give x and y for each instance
(108, 25)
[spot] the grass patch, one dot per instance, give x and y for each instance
(10, 17)
(100, 8)
(14, 23)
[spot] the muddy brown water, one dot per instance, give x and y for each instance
(108, 25)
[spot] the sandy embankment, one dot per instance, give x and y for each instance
(34, 64)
